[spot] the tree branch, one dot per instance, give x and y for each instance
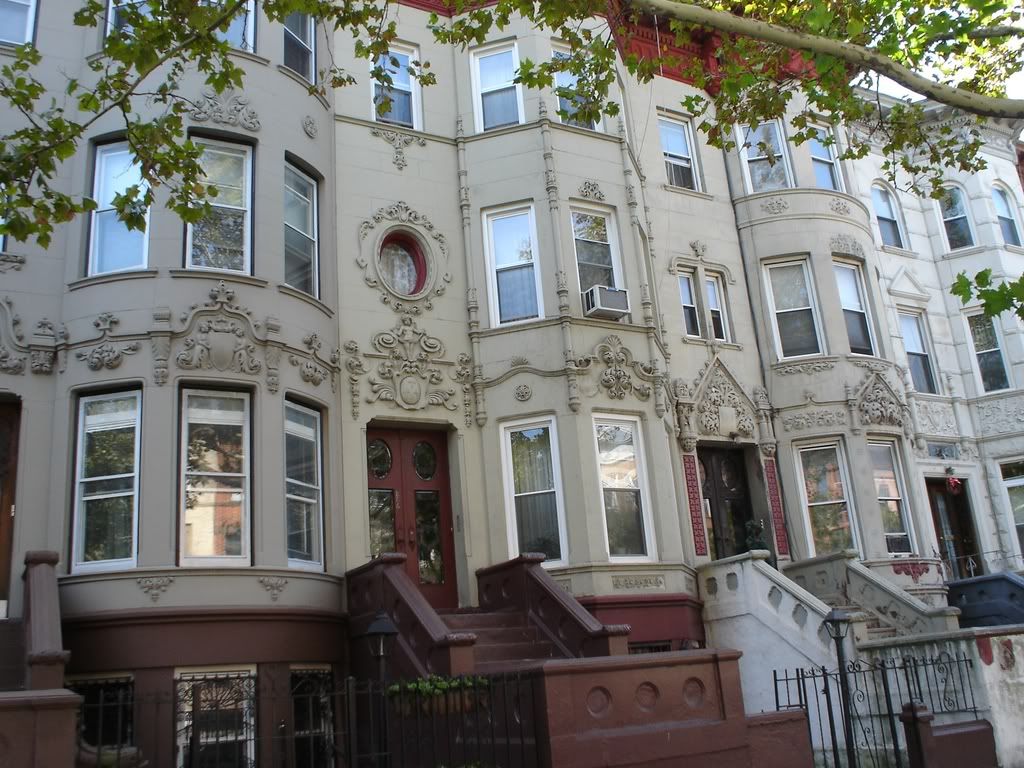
(857, 55)
(984, 33)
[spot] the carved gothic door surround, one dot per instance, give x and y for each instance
(9, 420)
(410, 508)
(723, 475)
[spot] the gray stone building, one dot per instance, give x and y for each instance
(467, 329)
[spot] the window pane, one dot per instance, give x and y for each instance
(537, 524)
(883, 203)
(115, 247)
(13, 21)
(717, 324)
(958, 232)
(797, 333)
(298, 24)
(590, 227)
(712, 289)
(398, 268)
(303, 522)
(825, 175)
(500, 108)
(599, 254)
(511, 239)
(496, 70)
(686, 289)
(692, 324)
(428, 537)
(823, 481)
(983, 332)
(849, 287)
(239, 31)
(910, 326)
(1012, 470)
(399, 111)
(789, 287)
(213, 515)
(993, 373)
(109, 451)
(299, 253)
(1017, 503)
(673, 138)
(884, 471)
(218, 240)
(397, 65)
(767, 134)
(890, 232)
(115, 172)
(625, 522)
(921, 373)
(298, 57)
(225, 169)
(680, 175)
(819, 149)
(617, 456)
(830, 526)
(302, 464)
(382, 521)
(857, 332)
(517, 294)
(215, 448)
(299, 193)
(531, 460)
(1009, 229)
(107, 528)
(952, 204)
(765, 176)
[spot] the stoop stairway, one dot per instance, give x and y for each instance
(506, 641)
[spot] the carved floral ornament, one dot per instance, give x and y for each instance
(313, 367)
(16, 356)
(622, 374)
(716, 405)
(106, 353)
(398, 141)
(225, 108)
(436, 256)
(878, 403)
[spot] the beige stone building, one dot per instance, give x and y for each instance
(466, 329)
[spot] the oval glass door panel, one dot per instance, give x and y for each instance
(424, 459)
(378, 457)
(428, 537)
(382, 521)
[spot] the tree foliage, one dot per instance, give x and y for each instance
(808, 58)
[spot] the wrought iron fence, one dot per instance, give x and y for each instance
(853, 713)
(229, 720)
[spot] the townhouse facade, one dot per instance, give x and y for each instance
(468, 328)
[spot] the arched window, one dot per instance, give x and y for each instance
(1004, 213)
(887, 213)
(955, 219)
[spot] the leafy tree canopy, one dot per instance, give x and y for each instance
(765, 59)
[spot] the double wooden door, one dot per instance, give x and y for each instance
(410, 508)
(723, 474)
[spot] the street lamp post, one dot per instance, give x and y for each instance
(380, 635)
(837, 624)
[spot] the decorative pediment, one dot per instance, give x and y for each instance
(904, 285)
(879, 404)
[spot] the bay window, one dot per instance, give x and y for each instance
(300, 231)
(221, 239)
(113, 247)
(623, 487)
(511, 248)
(764, 157)
(107, 481)
(792, 304)
(303, 485)
(534, 489)
(850, 281)
(215, 478)
(888, 489)
(498, 99)
(823, 480)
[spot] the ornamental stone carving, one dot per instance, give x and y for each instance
(356, 370)
(810, 369)
(410, 375)
(846, 244)
(106, 353)
(314, 368)
(225, 108)
(274, 585)
(11, 262)
(878, 404)
(220, 344)
(398, 141)
(154, 586)
(936, 418)
(840, 206)
(775, 206)
(1000, 416)
(591, 190)
(816, 419)
(720, 399)
(438, 276)
(638, 581)
(309, 126)
(522, 393)
(622, 374)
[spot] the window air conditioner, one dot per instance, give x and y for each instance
(609, 303)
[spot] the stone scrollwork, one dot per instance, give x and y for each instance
(15, 355)
(398, 141)
(840, 206)
(313, 367)
(818, 366)
(226, 108)
(409, 376)
(106, 353)
(814, 419)
(438, 276)
(999, 416)
(878, 403)
(462, 374)
(622, 374)
(154, 586)
(11, 261)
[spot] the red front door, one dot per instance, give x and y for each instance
(411, 510)
(9, 417)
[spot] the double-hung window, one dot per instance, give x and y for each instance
(623, 480)
(240, 33)
(677, 148)
(823, 158)
(498, 97)
(215, 718)
(987, 350)
(303, 484)
(887, 215)
(823, 474)
(888, 489)
(215, 478)
(402, 96)
(595, 255)
(107, 481)
(691, 315)
(916, 345)
(112, 246)
(850, 281)
(1004, 213)
(1013, 478)
(300, 44)
(512, 248)
(300, 231)
(566, 82)
(955, 220)
(716, 307)
(534, 489)
(792, 303)
(221, 239)
(765, 157)
(17, 20)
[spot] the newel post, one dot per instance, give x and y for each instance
(44, 647)
(917, 726)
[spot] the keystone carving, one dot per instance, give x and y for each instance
(309, 126)
(398, 141)
(718, 392)
(225, 108)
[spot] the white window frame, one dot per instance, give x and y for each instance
(897, 209)
(613, 242)
(645, 499)
(921, 319)
(227, 671)
(510, 495)
(79, 565)
(1011, 205)
(862, 288)
(247, 231)
(966, 202)
(904, 499)
(691, 277)
(844, 474)
(815, 314)
(742, 132)
(30, 24)
(413, 52)
(492, 271)
(478, 102)
(558, 50)
(101, 151)
(723, 310)
(1008, 483)
(315, 203)
(217, 561)
(833, 158)
(670, 158)
(317, 563)
(998, 331)
(311, 48)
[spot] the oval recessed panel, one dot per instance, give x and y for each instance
(424, 459)
(378, 457)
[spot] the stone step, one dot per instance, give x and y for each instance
(513, 651)
(485, 635)
(498, 667)
(471, 621)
